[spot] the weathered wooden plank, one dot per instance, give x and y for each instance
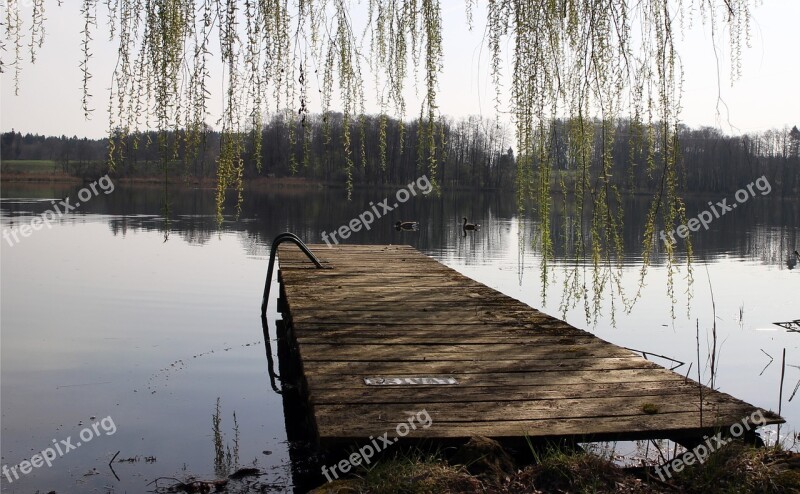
(619, 426)
(509, 351)
(419, 328)
(560, 366)
(351, 295)
(422, 324)
(412, 308)
(400, 317)
(321, 279)
(462, 336)
(433, 394)
(502, 380)
(320, 338)
(597, 407)
(452, 334)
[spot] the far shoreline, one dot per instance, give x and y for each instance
(282, 183)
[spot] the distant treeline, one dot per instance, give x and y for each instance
(471, 153)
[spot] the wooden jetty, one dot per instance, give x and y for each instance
(384, 332)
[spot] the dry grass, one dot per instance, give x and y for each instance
(733, 469)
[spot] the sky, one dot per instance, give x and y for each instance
(765, 97)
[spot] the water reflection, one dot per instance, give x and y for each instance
(273, 376)
(102, 301)
(765, 228)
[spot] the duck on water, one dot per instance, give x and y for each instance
(406, 225)
(470, 226)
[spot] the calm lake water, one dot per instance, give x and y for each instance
(117, 317)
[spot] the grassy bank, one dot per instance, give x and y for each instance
(735, 468)
(29, 166)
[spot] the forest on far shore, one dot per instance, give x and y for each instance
(476, 153)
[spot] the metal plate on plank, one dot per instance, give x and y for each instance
(411, 381)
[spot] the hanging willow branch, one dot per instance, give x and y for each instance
(593, 63)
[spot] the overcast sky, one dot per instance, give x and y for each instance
(765, 97)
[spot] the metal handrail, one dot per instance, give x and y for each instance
(283, 237)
